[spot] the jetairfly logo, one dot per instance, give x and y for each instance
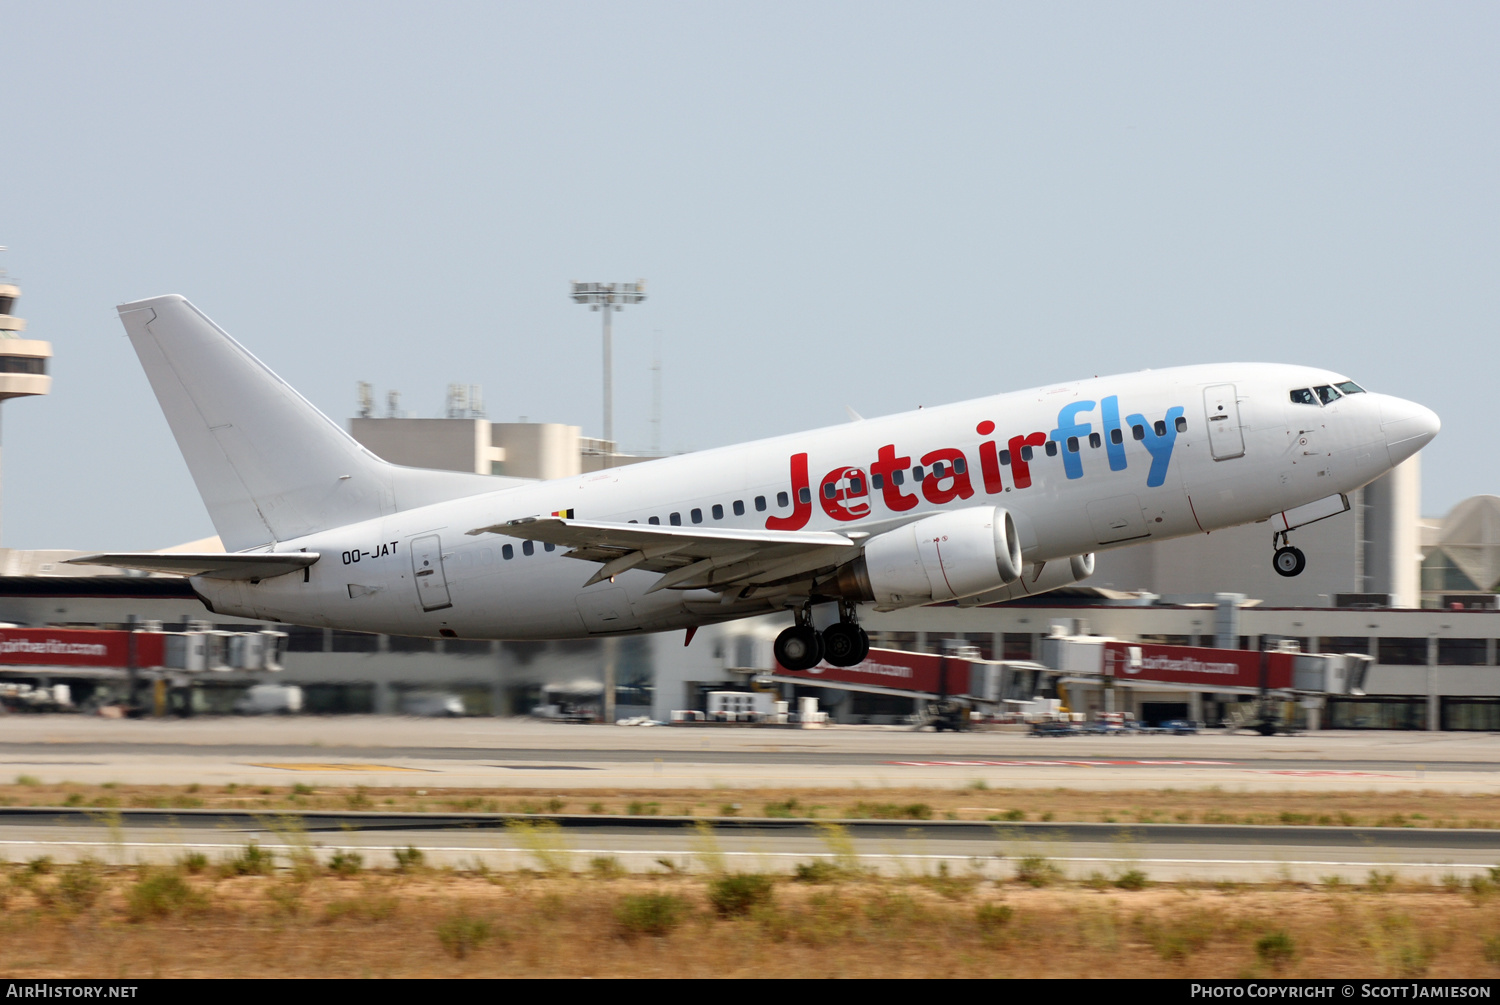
(943, 475)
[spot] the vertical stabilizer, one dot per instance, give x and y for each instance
(269, 466)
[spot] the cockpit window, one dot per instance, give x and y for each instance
(1327, 394)
(1349, 387)
(1303, 396)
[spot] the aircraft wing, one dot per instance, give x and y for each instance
(211, 565)
(688, 558)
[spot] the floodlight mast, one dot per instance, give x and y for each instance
(608, 298)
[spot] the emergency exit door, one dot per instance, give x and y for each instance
(1225, 438)
(427, 567)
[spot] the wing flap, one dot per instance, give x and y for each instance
(209, 565)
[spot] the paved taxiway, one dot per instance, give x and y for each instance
(518, 753)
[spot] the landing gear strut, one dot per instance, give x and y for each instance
(803, 647)
(1288, 561)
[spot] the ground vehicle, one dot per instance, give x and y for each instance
(269, 699)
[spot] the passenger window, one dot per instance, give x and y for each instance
(739, 507)
(1005, 457)
(528, 548)
(917, 474)
(938, 469)
(1051, 447)
(804, 494)
(1326, 394)
(857, 486)
(783, 500)
(760, 504)
(1115, 436)
(1095, 440)
(1026, 452)
(898, 477)
(1181, 424)
(877, 482)
(1139, 432)
(1303, 396)
(960, 465)
(675, 519)
(718, 511)
(828, 490)
(655, 521)
(507, 552)
(1160, 427)
(1349, 387)
(697, 515)
(1072, 444)
(549, 546)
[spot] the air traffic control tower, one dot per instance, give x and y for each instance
(23, 361)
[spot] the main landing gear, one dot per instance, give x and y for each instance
(1288, 561)
(803, 647)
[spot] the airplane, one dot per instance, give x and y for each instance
(972, 503)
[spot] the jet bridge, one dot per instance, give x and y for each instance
(955, 684)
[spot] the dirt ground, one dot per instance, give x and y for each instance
(252, 918)
(978, 802)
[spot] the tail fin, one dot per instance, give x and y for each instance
(269, 466)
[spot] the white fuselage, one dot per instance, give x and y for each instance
(1162, 479)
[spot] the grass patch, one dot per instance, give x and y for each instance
(345, 863)
(251, 860)
(460, 935)
(1037, 871)
(649, 914)
(737, 894)
(161, 893)
(1276, 949)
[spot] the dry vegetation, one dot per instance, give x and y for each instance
(974, 802)
(249, 917)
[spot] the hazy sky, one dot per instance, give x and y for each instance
(883, 205)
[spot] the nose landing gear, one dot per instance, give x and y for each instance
(1287, 561)
(803, 647)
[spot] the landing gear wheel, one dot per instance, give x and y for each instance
(799, 648)
(1289, 561)
(845, 644)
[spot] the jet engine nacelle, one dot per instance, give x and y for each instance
(947, 556)
(1052, 575)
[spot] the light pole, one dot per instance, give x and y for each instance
(608, 298)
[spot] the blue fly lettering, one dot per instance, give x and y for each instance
(1160, 447)
(1111, 408)
(1068, 426)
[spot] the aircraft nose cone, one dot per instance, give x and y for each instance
(1408, 427)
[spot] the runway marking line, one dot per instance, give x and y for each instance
(298, 766)
(1056, 764)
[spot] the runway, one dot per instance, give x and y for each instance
(518, 753)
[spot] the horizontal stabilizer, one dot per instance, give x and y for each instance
(211, 565)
